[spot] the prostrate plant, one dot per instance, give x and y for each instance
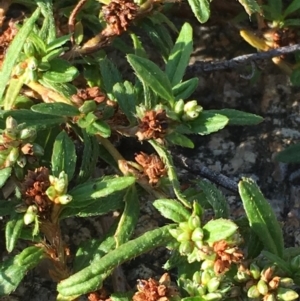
(45, 177)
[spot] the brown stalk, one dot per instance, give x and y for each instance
(72, 18)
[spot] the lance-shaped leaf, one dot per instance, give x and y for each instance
(179, 139)
(85, 194)
(290, 155)
(151, 75)
(91, 277)
(40, 121)
(60, 71)
(180, 55)
(63, 155)
(200, 9)
(14, 269)
(293, 6)
(129, 216)
(4, 175)
(208, 122)
(238, 117)
(216, 199)
(57, 109)
(104, 205)
(261, 217)
(219, 229)
(251, 6)
(14, 50)
(13, 229)
(185, 89)
(89, 157)
(172, 209)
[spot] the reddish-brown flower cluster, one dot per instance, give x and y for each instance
(153, 167)
(34, 190)
(153, 290)
(5, 39)
(153, 125)
(100, 295)
(226, 255)
(93, 93)
(119, 14)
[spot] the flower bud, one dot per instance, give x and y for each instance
(13, 156)
(184, 226)
(63, 199)
(207, 264)
(22, 161)
(197, 235)
(213, 284)
(262, 287)
(194, 222)
(241, 276)
(88, 106)
(27, 133)
(286, 282)
(206, 277)
(186, 247)
(270, 297)
(29, 49)
(30, 215)
(286, 294)
(175, 232)
(253, 292)
(255, 271)
(51, 193)
(184, 236)
(11, 123)
(178, 109)
(197, 277)
(32, 63)
(201, 290)
(190, 105)
(190, 115)
(213, 297)
(199, 244)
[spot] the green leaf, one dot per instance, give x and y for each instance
(219, 229)
(251, 6)
(60, 71)
(185, 89)
(40, 121)
(215, 198)
(4, 175)
(208, 122)
(13, 229)
(290, 155)
(89, 157)
(159, 36)
(275, 8)
(101, 206)
(239, 117)
(293, 6)
(179, 139)
(87, 193)
(138, 46)
(261, 217)
(110, 75)
(172, 209)
(295, 77)
(124, 94)
(291, 22)
(200, 9)
(57, 109)
(91, 277)
(13, 90)
(99, 127)
(151, 75)
(129, 218)
(14, 269)
(58, 42)
(14, 50)
(180, 55)
(63, 155)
